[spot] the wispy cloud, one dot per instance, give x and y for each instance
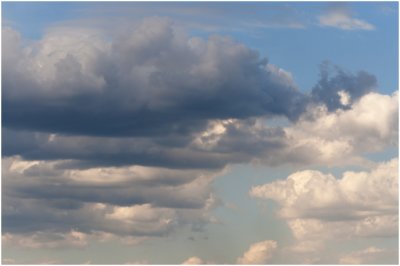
(276, 24)
(340, 17)
(365, 256)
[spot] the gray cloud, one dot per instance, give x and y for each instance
(86, 152)
(42, 198)
(150, 81)
(328, 87)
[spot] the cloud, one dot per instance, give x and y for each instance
(259, 253)
(336, 85)
(194, 261)
(131, 202)
(86, 152)
(369, 125)
(8, 261)
(283, 16)
(47, 240)
(312, 194)
(319, 208)
(152, 80)
(69, 174)
(155, 98)
(340, 17)
(370, 255)
(95, 180)
(283, 23)
(45, 261)
(319, 136)
(120, 136)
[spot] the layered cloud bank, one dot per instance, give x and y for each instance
(132, 203)
(120, 136)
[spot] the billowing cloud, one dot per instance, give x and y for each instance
(319, 208)
(312, 194)
(339, 16)
(144, 82)
(259, 253)
(370, 125)
(155, 98)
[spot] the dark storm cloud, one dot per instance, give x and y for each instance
(151, 81)
(237, 145)
(85, 152)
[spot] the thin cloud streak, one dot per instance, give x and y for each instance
(340, 17)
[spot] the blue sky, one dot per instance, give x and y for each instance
(200, 132)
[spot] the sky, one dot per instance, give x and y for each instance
(199, 133)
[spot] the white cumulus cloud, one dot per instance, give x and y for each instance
(259, 253)
(320, 208)
(339, 137)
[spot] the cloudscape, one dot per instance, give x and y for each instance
(199, 133)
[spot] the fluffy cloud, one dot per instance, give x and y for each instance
(318, 207)
(312, 194)
(259, 253)
(339, 16)
(370, 125)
